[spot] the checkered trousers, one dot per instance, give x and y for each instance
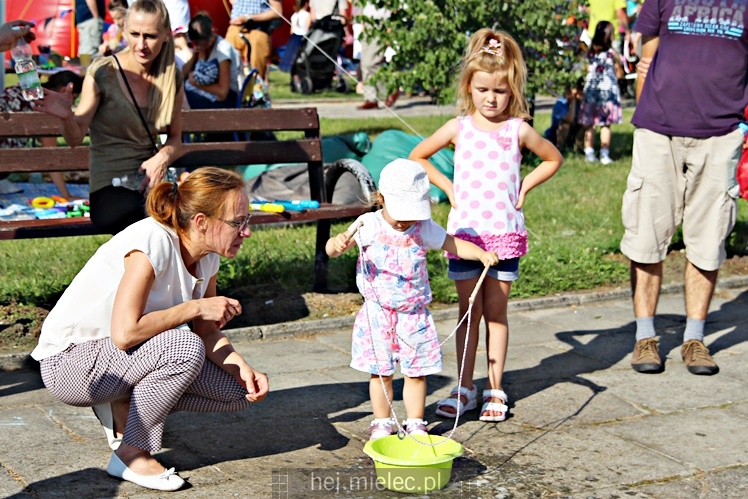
(167, 373)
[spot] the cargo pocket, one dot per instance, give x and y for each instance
(630, 206)
(733, 187)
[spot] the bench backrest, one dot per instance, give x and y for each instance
(243, 152)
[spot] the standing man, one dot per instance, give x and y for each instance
(254, 20)
(372, 58)
(691, 93)
(89, 19)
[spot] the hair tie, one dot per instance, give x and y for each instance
(174, 187)
(493, 47)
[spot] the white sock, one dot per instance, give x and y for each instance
(694, 330)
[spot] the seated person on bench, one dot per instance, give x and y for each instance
(211, 74)
(253, 21)
(11, 101)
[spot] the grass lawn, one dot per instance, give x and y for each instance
(573, 220)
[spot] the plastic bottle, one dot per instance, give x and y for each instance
(171, 175)
(28, 78)
(132, 181)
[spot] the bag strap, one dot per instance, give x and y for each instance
(135, 103)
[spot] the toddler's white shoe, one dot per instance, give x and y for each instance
(416, 427)
(380, 428)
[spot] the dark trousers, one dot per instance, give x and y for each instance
(114, 208)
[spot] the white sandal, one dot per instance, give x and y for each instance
(494, 406)
(469, 395)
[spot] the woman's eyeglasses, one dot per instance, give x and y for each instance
(240, 225)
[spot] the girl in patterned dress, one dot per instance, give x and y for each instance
(487, 195)
(394, 324)
(601, 105)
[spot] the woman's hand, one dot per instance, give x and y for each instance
(255, 382)
(8, 35)
(219, 309)
(58, 104)
(155, 171)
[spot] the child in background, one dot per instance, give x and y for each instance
(113, 37)
(601, 105)
(301, 20)
(564, 124)
(487, 196)
(394, 324)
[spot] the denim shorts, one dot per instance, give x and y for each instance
(505, 270)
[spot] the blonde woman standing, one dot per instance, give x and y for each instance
(126, 100)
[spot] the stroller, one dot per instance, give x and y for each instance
(314, 65)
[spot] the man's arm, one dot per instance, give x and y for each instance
(93, 8)
(649, 48)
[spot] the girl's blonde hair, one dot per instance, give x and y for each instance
(163, 69)
(206, 190)
(493, 51)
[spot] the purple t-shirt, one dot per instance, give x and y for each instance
(696, 85)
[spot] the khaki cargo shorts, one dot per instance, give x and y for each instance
(681, 180)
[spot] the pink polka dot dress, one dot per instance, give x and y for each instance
(486, 186)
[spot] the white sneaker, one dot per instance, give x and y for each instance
(605, 160)
(590, 157)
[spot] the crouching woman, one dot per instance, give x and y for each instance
(137, 334)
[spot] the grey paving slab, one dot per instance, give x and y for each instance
(582, 423)
(571, 404)
(578, 459)
(704, 439)
(291, 355)
(671, 391)
(723, 484)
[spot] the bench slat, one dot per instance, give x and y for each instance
(50, 159)
(193, 121)
(30, 229)
(237, 120)
(244, 153)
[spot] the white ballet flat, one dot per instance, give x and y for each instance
(104, 413)
(167, 481)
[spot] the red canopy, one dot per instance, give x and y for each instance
(55, 26)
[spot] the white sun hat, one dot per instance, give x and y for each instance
(405, 187)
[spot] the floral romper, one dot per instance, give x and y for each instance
(394, 324)
(601, 105)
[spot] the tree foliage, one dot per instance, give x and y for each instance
(430, 37)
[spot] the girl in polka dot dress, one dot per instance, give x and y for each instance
(487, 195)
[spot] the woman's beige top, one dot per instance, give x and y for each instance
(119, 142)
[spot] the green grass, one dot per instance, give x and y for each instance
(573, 219)
(280, 88)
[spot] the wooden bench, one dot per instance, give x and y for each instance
(322, 178)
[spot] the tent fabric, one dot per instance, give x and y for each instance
(393, 144)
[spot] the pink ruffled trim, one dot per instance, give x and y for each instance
(507, 246)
